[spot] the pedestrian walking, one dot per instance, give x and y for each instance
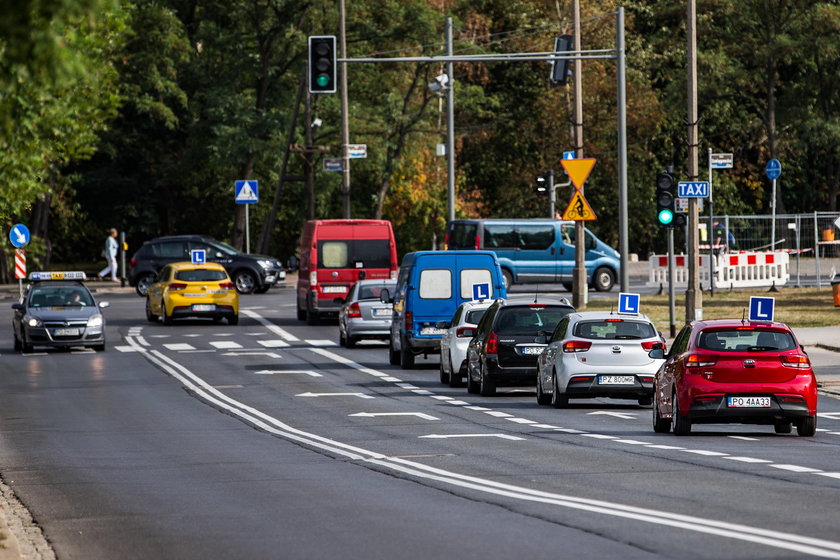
(110, 254)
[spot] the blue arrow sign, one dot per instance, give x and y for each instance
(19, 235)
(568, 155)
(693, 189)
(199, 256)
(628, 303)
(481, 291)
(773, 169)
(761, 308)
(246, 192)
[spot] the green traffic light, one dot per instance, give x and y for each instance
(665, 217)
(323, 80)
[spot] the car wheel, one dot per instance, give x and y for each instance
(99, 347)
(17, 344)
(781, 427)
(603, 279)
(486, 388)
(151, 317)
(143, 283)
(351, 341)
(542, 397)
(444, 376)
(660, 425)
(645, 401)
(558, 398)
(245, 281)
(568, 286)
(233, 319)
(679, 423)
(472, 386)
(406, 356)
(455, 377)
(312, 318)
(25, 347)
(806, 427)
(262, 289)
(393, 355)
(508, 278)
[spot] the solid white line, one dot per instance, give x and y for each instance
(704, 452)
(748, 459)
(795, 468)
(282, 333)
(452, 436)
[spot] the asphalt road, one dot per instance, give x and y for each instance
(267, 440)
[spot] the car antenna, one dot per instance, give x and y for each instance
(743, 315)
(537, 293)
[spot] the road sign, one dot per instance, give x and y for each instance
(773, 169)
(357, 151)
(199, 256)
(681, 205)
(578, 209)
(761, 308)
(578, 170)
(837, 223)
(481, 291)
(246, 192)
(721, 161)
(20, 263)
(628, 303)
(19, 235)
(693, 189)
(333, 164)
(568, 155)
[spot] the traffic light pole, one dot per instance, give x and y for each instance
(345, 116)
(693, 295)
(579, 286)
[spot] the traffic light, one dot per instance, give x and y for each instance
(560, 67)
(542, 184)
(666, 206)
(322, 64)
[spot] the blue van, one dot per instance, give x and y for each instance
(430, 287)
(537, 250)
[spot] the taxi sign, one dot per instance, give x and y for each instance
(75, 275)
(628, 303)
(578, 208)
(761, 308)
(199, 256)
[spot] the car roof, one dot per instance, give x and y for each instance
(186, 265)
(59, 283)
(528, 300)
(600, 315)
(736, 323)
(185, 237)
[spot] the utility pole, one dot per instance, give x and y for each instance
(450, 124)
(579, 287)
(621, 97)
(345, 115)
(693, 296)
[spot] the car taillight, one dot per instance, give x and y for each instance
(393, 275)
(465, 332)
(175, 286)
(409, 321)
(796, 361)
(354, 311)
(648, 345)
(227, 285)
(492, 344)
(696, 360)
(313, 278)
(133, 263)
(576, 346)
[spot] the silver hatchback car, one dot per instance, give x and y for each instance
(363, 315)
(599, 354)
(453, 345)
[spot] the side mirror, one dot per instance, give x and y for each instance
(104, 304)
(385, 296)
(658, 352)
(18, 306)
(442, 325)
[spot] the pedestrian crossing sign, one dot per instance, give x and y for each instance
(579, 209)
(246, 192)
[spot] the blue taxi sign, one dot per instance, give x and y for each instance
(19, 235)
(198, 256)
(481, 291)
(761, 308)
(628, 303)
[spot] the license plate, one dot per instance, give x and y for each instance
(531, 350)
(616, 380)
(333, 289)
(203, 307)
(748, 402)
(66, 332)
(432, 330)
(381, 312)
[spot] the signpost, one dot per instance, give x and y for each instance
(773, 170)
(247, 193)
(333, 164)
(578, 171)
(19, 236)
(356, 151)
(716, 161)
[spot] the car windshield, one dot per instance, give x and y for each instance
(65, 296)
(745, 340)
(372, 291)
(201, 275)
(529, 320)
(225, 248)
(614, 329)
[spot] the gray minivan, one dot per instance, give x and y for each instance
(537, 250)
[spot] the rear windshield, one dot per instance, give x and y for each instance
(475, 316)
(529, 320)
(357, 253)
(372, 291)
(462, 236)
(749, 340)
(200, 275)
(614, 329)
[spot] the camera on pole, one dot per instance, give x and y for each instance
(322, 64)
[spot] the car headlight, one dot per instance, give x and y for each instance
(32, 321)
(95, 321)
(264, 263)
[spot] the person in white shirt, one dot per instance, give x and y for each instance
(110, 254)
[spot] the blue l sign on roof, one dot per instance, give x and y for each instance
(199, 256)
(247, 192)
(19, 235)
(693, 189)
(628, 303)
(761, 308)
(481, 291)
(773, 169)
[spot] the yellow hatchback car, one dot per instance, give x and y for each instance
(184, 289)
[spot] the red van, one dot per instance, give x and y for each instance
(336, 253)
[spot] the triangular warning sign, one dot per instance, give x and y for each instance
(578, 209)
(578, 170)
(246, 192)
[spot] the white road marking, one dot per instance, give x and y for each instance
(704, 452)
(128, 349)
(375, 414)
(320, 342)
(269, 354)
(666, 447)
(599, 436)
(282, 333)
(831, 415)
(273, 343)
(451, 436)
(225, 344)
(829, 474)
(744, 438)
(623, 415)
(178, 346)
(521, 420)
(308, 372)
(632, 442)
(748, 459)
(795, 468)
(498, 414)
(360, 395)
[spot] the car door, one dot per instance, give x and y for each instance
(552, 356)
(667, 377)
(155, 292)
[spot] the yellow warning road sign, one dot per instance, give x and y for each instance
(578, 209)
(578, 170)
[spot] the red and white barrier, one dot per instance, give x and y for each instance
(731, 270)
(20, 263)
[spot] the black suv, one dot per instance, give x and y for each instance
(250, 273)
(508, 339)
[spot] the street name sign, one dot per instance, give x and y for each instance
(721, 161)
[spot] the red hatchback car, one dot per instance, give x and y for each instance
(733, 371)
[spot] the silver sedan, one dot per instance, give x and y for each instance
(599, 354)
(453, 345)
(362, 315)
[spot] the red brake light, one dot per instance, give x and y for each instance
(648, 345)
(796, 361)
(576, 346)
(614, 320)
(175, 286)
(696, 360)
(465, 332)
(227, 285)
(409, 321)
(492, 344)
(133, 263)
(354, 311)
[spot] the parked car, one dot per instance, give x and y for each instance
(362, 315)
(456, 339)
(509, 338)
(598, 354)
(58, 310)
(250, 273)
(735, 371)
(537, 250)
(430, 287)
(184, 289)
(336, 253)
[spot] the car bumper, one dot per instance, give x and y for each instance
(368, 328)
(510, 376)
(591, 386)
(188, 311)
(423, 344)
(88, 336)
(715, 409)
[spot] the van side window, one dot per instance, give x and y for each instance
(462, 236)
(470, 276)
(333, 254)
(436, 283)
(498, 236)
(536, 237)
